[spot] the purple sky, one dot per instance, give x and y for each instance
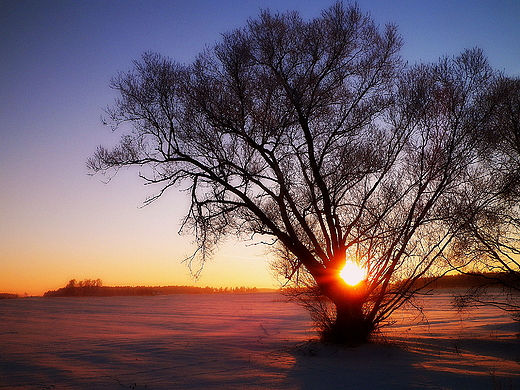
(57, 57)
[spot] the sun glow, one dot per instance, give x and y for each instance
(352, 273)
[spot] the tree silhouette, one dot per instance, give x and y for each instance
(499, 239)
(316, 137)
(492, 235)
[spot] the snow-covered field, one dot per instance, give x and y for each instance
(249, 341)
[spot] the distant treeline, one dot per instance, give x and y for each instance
(94, 288)
(8, 296)
(468, 280)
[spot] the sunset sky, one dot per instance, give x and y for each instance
(56, 61)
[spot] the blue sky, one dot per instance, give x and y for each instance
(57, 58)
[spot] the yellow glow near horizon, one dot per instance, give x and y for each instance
(43, 266)
(352, 273)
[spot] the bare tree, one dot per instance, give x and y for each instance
(315, 137)
(492, 234)
(502, 244)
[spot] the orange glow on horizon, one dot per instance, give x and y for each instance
(41, 267)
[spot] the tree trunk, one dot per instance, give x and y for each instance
(350, 326)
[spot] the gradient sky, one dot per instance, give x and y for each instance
(56, 61)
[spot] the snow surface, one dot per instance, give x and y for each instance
(245, 341)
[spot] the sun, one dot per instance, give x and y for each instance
(352, 273)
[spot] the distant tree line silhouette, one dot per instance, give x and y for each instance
(473, 281)
(8, 296)
(95, 288)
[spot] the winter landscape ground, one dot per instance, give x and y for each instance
(245, 341)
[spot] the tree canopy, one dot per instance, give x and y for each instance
(318, 138)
